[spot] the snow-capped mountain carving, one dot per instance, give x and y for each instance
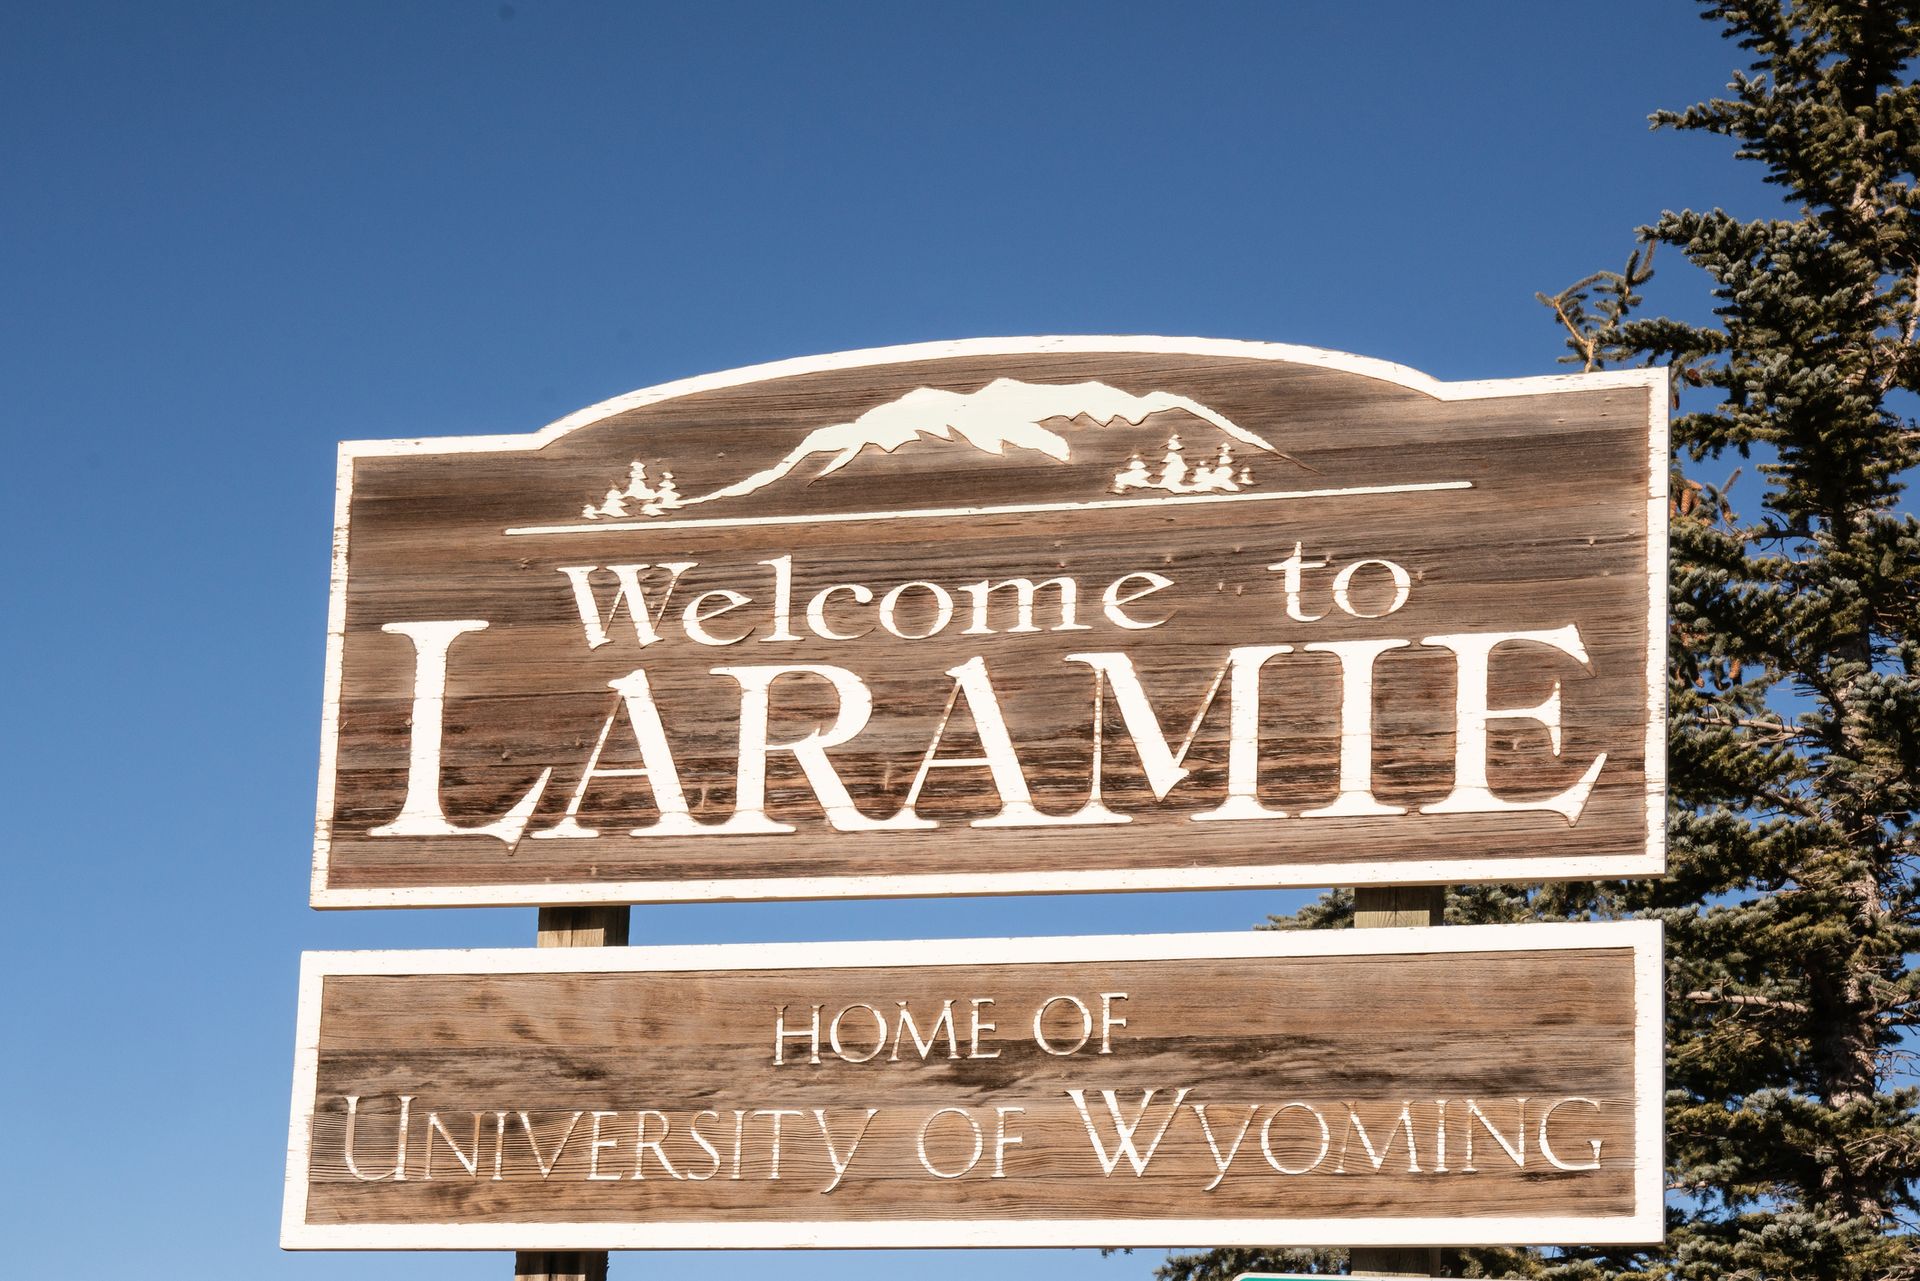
(1002, 417)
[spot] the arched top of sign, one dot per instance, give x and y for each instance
(1063, 344)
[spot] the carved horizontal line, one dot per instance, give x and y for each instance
(1351, 491)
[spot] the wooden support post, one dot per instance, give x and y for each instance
(573, 927)
(560, 1265)
(583, 926)
(1386, 907)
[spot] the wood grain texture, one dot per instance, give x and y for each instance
(1549, 528)
(1397, 907)
(573, 927)
(602, 1106)
(582, 927)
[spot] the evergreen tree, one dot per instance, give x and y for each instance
(1794, 725)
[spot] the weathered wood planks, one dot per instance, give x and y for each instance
(1279, 562)
(1473, 1085)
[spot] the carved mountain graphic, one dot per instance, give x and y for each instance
(1004, 418)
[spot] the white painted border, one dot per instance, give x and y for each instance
(1659, 459)
(1651, 862)
(1645, 1224)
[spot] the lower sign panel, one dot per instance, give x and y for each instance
(1459, 1086)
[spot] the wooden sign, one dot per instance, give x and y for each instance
(1004, 616)
(1463, 1086)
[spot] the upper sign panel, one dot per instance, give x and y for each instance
(1004, 616)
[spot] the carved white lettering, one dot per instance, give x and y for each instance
(1108, 1020)
(399, 1172)
(1025, 592)
(1039, 1018)
(1471, 792)
(817, 611)
(1221, 1163)
(1266, 1137)
(1546, 1147)
(1290, 583)
(1163, 766)
(642, 1145)
(906, 1026)
(596, 1144)
(979, 1143)
(705, 1144)
(1356, 728)
(782, 567)
(1343, 583)
(1118, 595)
(1002, 762)
(1243, 729)
(698, 614)
(1356, 1127)
(645, 618)
(657, 767)
(1516, 1151)
(420, 813)
(976, 1028)
(468, 1162)
(942, 610)
(810, 750)
(879, 1035)
(839, 1163)
(811, 1035)
(777, 1114)
(1004, 1139)
(1124, 1129)
(546, 1166)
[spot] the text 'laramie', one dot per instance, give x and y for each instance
(687, 605)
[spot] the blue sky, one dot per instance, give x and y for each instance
(234, 234)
